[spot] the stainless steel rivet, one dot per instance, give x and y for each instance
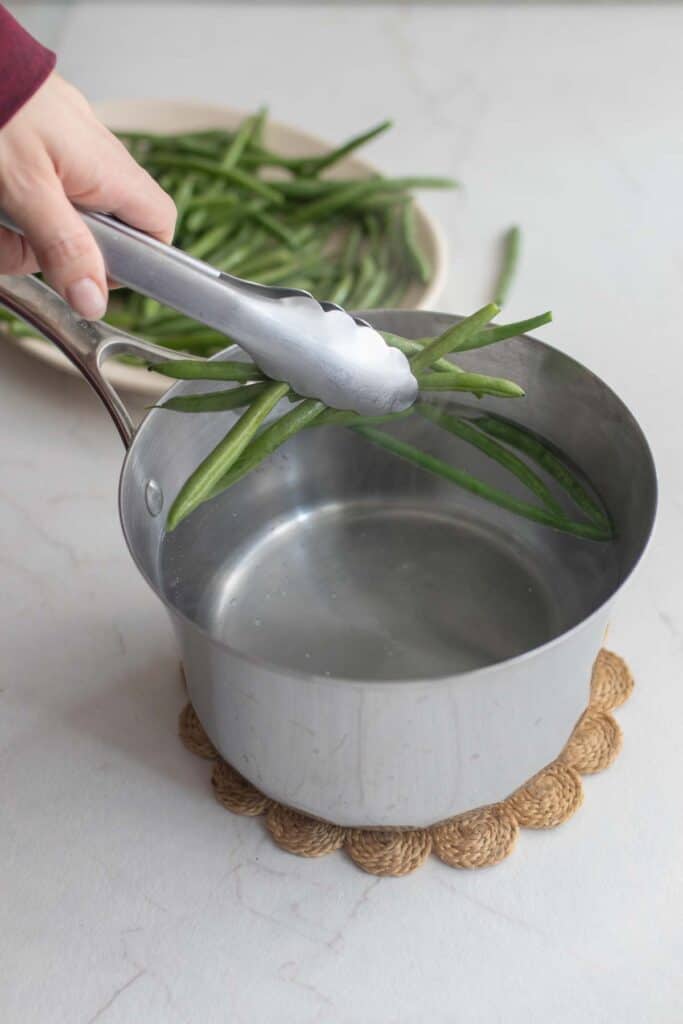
(154, 498)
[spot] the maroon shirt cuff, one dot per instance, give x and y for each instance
(24, 66)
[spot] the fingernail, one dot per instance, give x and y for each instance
(86, 298)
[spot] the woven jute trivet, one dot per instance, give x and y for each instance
(476, 839)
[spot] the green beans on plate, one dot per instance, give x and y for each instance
(280, 220)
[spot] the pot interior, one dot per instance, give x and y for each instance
(335, 558)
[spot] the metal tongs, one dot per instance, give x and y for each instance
(318, 348)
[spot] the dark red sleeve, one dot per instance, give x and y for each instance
(24, 65)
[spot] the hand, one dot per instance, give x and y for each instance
(54, 152)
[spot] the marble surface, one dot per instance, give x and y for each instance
(128, 893)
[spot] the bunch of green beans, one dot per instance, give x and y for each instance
(251, 440)
(277, 220)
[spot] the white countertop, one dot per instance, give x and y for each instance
(129, 894)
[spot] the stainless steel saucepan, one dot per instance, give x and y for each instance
(365, 642)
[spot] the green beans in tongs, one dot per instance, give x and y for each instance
(248, 443)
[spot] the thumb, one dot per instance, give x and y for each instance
(64, 248)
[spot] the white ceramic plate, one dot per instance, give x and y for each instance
(178, 116)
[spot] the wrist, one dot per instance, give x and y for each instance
(25, 64)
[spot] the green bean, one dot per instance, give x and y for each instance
(411, 348)
(274, 258)
(275, 226)
(351, 246)
(21, 330)
(171, 137)
(253, 266)
(382, 203)
(215, 401)
(475, 382)
(304, 234)
(150, 309)
(240, 248)
(343, 196)
(466, 432)
(508, 267)
(200, 484)
(239, 142)
(176, 323)
(491, 335)
(524, 441)
(340, 292)
(118, 317)
(200, 349)
(177, 326)
(257, 157)
(219, 201)
(304, 284)
(488, 336)
(413, 249)
(316, 164)
(192, 344)
(256, 263)
(454, 338)
(216, 170)
(166, 182)
(209, 241)
(373, 292)
(183, 195)
(199, 209)
(131, 360)
(364, 277)
(590, 531)
(191, 369)
(342, 418)
(265, 443)
(197, 147)
(281, 273)
(260, 119)
(397, 297)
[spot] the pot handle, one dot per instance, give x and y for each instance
(88, 344)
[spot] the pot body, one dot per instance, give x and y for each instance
(363, 641)
(391, 754)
